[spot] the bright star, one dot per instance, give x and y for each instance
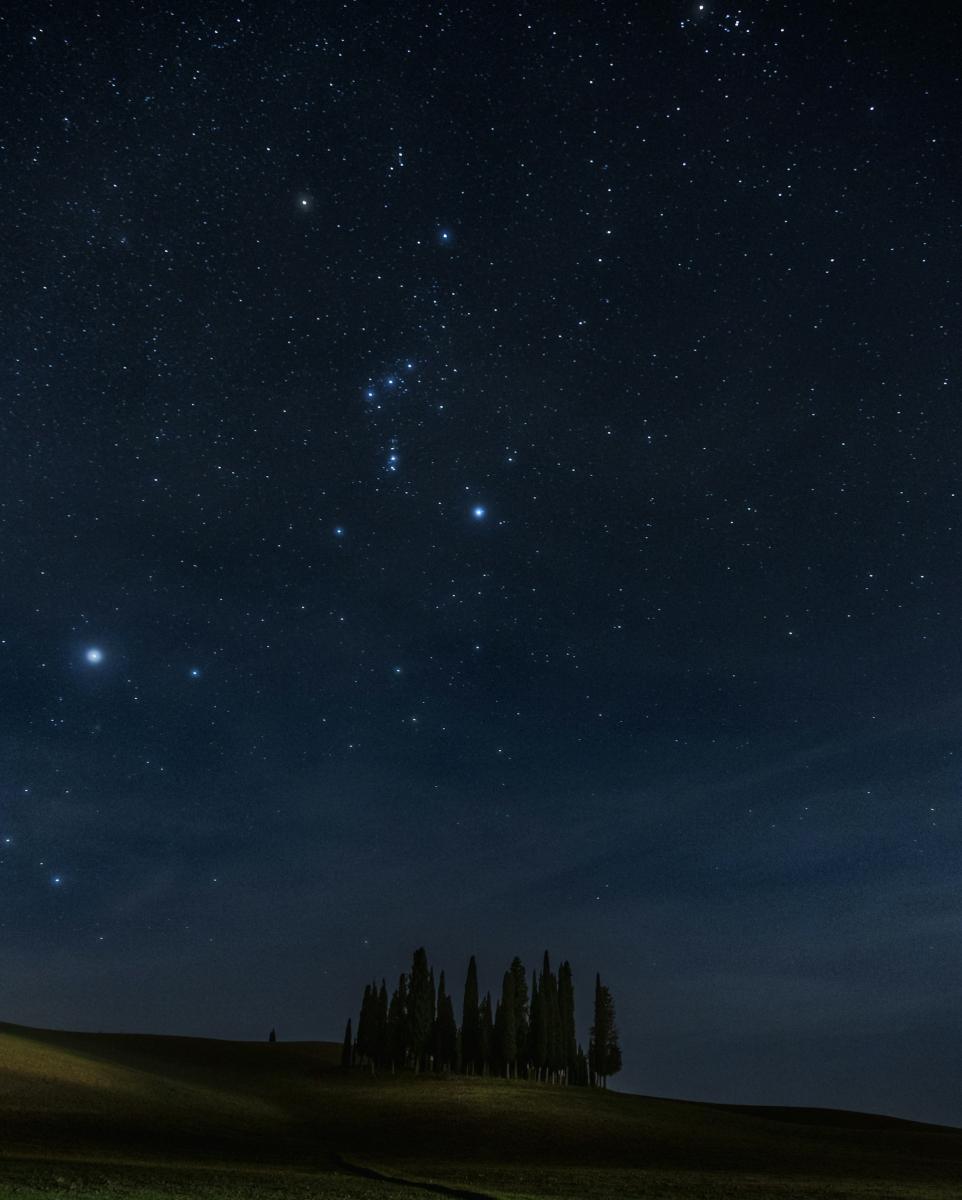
(94, 655)
(338, 530)
(479, 512)
(56, 880)
(195, 673)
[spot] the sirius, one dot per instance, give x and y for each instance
(479, 512)
(94, 655)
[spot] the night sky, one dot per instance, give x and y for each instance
(488, 476)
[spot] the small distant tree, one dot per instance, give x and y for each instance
(347, 1050)
(272, 1036)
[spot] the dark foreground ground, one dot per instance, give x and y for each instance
(101, 1115)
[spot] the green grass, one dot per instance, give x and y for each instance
(98, 1115)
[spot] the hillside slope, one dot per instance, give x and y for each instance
(143, 1099)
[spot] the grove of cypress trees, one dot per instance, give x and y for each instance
(527, 1031)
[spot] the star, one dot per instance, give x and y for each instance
(479, 512)
(195, 672)
(94, 655)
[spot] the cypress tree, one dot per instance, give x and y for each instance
(421, 1007)
(508, 1034)
(398, 1024)
(347, 1050)
(552, 1018)
(272, 1036)
(539, 1027)
(605, 1049)
(365, 1026)
(580, 1075)
(566, 1007)
(382, 1049)
(437, 1035)
(520, 1014)
(445, 1031)
(470, 1022)
(495, 1064)
(486, 1038)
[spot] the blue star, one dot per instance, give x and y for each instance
(195, 672)
(94, 655)
(479, 512)
(338, 531)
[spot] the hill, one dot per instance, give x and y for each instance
(111, 1115)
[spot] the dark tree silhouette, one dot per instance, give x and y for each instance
(470, 1022)
(347, 1050)
(367, 1032)
(397, 1024)
(604, 1051)
(506, 1028)
(521, 1014)
(445, 1038)
(382, 1041)
(272, 1036)
(566, 1008)
(422, 1007)
(539, 1028)
(486, 1034)
(552, 1019)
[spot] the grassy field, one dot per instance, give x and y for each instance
(98, 1115)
